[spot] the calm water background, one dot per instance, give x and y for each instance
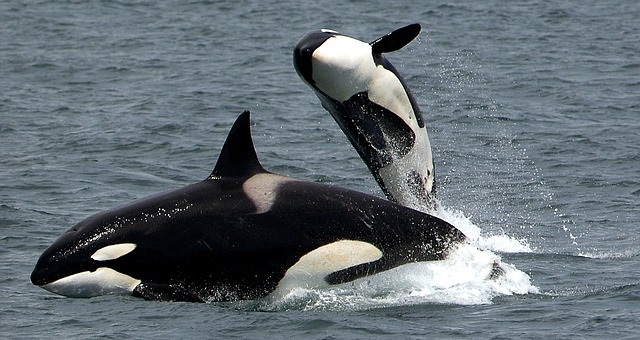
(534, 116)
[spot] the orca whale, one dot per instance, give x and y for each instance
(241, 233)
(373, 106)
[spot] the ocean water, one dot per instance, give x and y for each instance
(533, 111)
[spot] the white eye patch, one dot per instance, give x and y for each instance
(113, 251)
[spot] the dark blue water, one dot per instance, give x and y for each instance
(533, 110)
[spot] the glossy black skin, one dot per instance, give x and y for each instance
(205, 242)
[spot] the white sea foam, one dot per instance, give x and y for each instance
(500, 243)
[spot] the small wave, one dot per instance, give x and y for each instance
(610, 254)
(624, 291)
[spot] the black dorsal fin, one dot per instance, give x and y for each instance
(395, 40)
(238, 157)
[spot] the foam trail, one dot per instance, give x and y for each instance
(609, 254)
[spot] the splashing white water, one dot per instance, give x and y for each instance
(498, 243)
(464, 278)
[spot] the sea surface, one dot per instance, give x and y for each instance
(533, 111)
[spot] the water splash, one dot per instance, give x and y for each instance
(501, 243)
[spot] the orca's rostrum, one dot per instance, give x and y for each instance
(239, 234)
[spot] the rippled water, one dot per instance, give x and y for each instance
(533, 110)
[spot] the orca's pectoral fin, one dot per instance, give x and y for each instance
(395, 40)
(356, 272)
(238, 156)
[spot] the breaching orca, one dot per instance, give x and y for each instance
(239, 234)
(373, 106)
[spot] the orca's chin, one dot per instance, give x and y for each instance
(102, 281)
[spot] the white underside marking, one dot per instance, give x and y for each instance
(113, 251)
(342, 67)
(262, 190)
(386, 90)
(419, 159)
(103, 281)
(312, 268)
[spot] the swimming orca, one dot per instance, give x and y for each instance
(373, 106)
(240, 234)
